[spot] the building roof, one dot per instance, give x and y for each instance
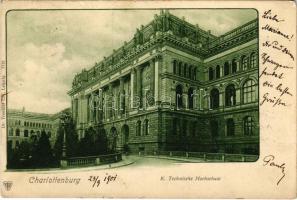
(172, 30)
(26, 114)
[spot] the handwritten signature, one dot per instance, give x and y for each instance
(269, 161)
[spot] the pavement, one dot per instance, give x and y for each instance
(176, 158)
(132, 160)
(126, 160)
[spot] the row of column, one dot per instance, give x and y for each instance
(107, 112)
(136, 83)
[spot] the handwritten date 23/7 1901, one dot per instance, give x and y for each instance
(97, 181)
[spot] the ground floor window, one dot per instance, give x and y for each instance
(214, 128)
(230, 127)
(248, 125)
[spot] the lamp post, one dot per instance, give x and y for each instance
(64, 119)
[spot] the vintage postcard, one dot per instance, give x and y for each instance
(148, 99)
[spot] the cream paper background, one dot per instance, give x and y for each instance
(238, 180)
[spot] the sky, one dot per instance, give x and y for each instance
(45, 49)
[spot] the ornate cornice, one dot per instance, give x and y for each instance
(161, 32)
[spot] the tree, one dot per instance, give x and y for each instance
(86, 144)
(42, 153)
(71, 139)
(101, 142)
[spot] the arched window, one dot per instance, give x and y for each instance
(191, 98)
(230, 95)
(190, 72)
(17, 132)
(244, 62)
(214, 128)
(179, 68)
(26, 133)
(234, 66)
(146, 127)
(174, 66)
(249, 91)
(248, 125)
(226, 68)
(253, 60)
(230, 127)
(176, 126)
(214, 98)
(195, 73)
(210, 73)
(11, 132)
(179, 96)
(218, 71)
(185, 70)
(138, 128)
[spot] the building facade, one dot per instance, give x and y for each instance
(24, 126)
(173, 87)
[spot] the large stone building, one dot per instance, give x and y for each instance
(173, 87)
(24, 125)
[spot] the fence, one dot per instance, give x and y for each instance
(91, 160)
(204, 156)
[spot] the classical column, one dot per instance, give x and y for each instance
(122, 97)
(105, 103)
(222, 99)
(195, 99)
(185, 100)
(132, 80)
(152, 67)
(207, 102)
(91, 108)
(110, 100)
(99, 105)
(94, 107)
(237, 64)
(156, 89)
(237, 96)
(83, 110)
(138, 84)
(201, 97)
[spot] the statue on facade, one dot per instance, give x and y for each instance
(138, 37)
(165, 22)
(157, 24)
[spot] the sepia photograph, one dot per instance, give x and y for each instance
(140, 86)
(148, 99)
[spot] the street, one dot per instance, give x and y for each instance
(149, 161)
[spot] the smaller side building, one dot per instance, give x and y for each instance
(24, 125)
